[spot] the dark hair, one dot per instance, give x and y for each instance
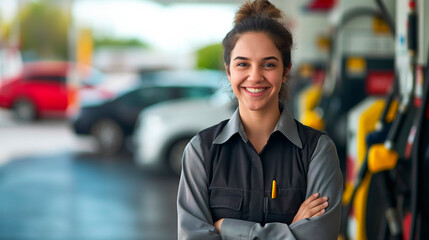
(260, 16)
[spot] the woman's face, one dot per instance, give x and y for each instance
(256, 72)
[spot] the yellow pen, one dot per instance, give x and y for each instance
(274, 190)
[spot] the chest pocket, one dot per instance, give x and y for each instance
(225, 203)
(284, 207)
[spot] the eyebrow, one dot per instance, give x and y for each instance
(265, 58)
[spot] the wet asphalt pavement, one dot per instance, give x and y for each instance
(84, 196)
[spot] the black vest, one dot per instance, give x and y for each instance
(240, 179)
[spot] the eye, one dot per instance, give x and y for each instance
(241, 64)
(269, 65)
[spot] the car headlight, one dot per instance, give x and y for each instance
(148, 138)
(146, 125)
(152, 122)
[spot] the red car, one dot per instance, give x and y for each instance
(40, 90)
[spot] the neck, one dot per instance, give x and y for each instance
(258, 125)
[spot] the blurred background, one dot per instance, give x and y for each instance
(98, 99)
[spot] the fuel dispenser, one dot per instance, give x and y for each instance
(360, 64)
(390, 190)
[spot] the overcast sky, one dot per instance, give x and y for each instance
(170, 28)
(176, 27)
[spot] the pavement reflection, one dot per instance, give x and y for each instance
(83, 196)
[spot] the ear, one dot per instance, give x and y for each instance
(228, 73)
(286, 72)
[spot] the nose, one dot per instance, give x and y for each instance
(255, 74)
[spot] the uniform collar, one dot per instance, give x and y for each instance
(286, 125)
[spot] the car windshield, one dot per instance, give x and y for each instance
(46, 78)
(194, 81)
(183, 77)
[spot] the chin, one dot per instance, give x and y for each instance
(258, 105)
(254, 107)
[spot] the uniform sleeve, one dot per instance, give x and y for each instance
(194, 216)
(325, 177)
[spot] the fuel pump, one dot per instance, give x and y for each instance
(394, 194)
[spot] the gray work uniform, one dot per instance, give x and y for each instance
(238, 188)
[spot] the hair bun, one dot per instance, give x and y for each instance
(257, 8)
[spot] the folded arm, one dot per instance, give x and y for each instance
(324, 177)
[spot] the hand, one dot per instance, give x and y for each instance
(218, 225)
(311, 207)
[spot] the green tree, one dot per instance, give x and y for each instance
(118, 42)
(44, 29)
(3, 29)
(210, 57)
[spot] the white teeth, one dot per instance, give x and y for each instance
(255, 90)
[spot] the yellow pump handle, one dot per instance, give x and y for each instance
(381, 159)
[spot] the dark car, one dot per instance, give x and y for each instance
(111, 121)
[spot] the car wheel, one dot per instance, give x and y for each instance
(175, 155)
(24, 110)
(108, 135)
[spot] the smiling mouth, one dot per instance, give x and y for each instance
(255, 90)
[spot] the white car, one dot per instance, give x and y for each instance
(163, 130)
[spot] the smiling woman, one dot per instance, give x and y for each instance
(256, 73)
(261, 174)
